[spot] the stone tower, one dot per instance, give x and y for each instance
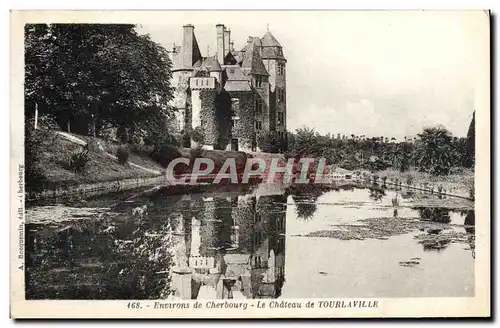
(275, 63)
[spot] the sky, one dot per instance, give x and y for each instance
(377, 73)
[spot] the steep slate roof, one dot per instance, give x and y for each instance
(252, 62)
(230, 59)
(271, 48)
(213, 64)
(272, 53)
(233, 86)
(234, 73)
(209, 63)
(268, 40)
(236, 80)
(238, 55)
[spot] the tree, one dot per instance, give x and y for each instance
(92, 75)
(269, 141)
(435, 153)
(471, 140)
(305, 142)
(401, 156)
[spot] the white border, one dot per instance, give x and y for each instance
(254, 4)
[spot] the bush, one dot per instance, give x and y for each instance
(46, 122)
(268, 141)
(165, 154)
(137, 139)
(122, 154)
(34, 178)
(197, 135)
(78, 161)
(108, 133)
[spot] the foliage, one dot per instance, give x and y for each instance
(33, 139)
(244, 130)
(78, 161)
(197, 135)
(305, 141)
(436, 153)
(122, 154)
(471, 147)
(268, 141)
(167, 140)
(164, 154)
(208, 118)
(88, 76)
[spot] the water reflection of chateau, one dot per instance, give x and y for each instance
(230, 247)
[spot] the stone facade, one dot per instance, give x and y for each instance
(232, 95)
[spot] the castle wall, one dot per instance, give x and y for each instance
(180, 85)
(195, 109)
(223, 116)
(276, 82)
(207, 117)
(280, 83)
(244, 130)
(263, 94)
(210, 108)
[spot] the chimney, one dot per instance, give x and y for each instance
(187, 46)
(231, 46)
(220, 43)
(227, 42)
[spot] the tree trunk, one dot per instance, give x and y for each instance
(36, 115)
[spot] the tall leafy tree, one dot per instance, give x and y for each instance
(436, 153)
(471, 143)
(88, 76)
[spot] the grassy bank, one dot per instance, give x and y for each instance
(54, 156)
(460, 182)
(56, 151)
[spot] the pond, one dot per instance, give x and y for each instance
(264, 241)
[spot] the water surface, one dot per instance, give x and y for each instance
(259, 242)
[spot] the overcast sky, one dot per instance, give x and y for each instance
(374, 73)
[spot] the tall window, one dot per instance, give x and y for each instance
(258, 106)
(258, 125)
(234, 121)
(259, 81)
(235, 106)
(281, 69)
(281, 117)
(281, 95)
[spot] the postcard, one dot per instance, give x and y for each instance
(250, 164)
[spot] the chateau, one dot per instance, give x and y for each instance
(225, 100)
